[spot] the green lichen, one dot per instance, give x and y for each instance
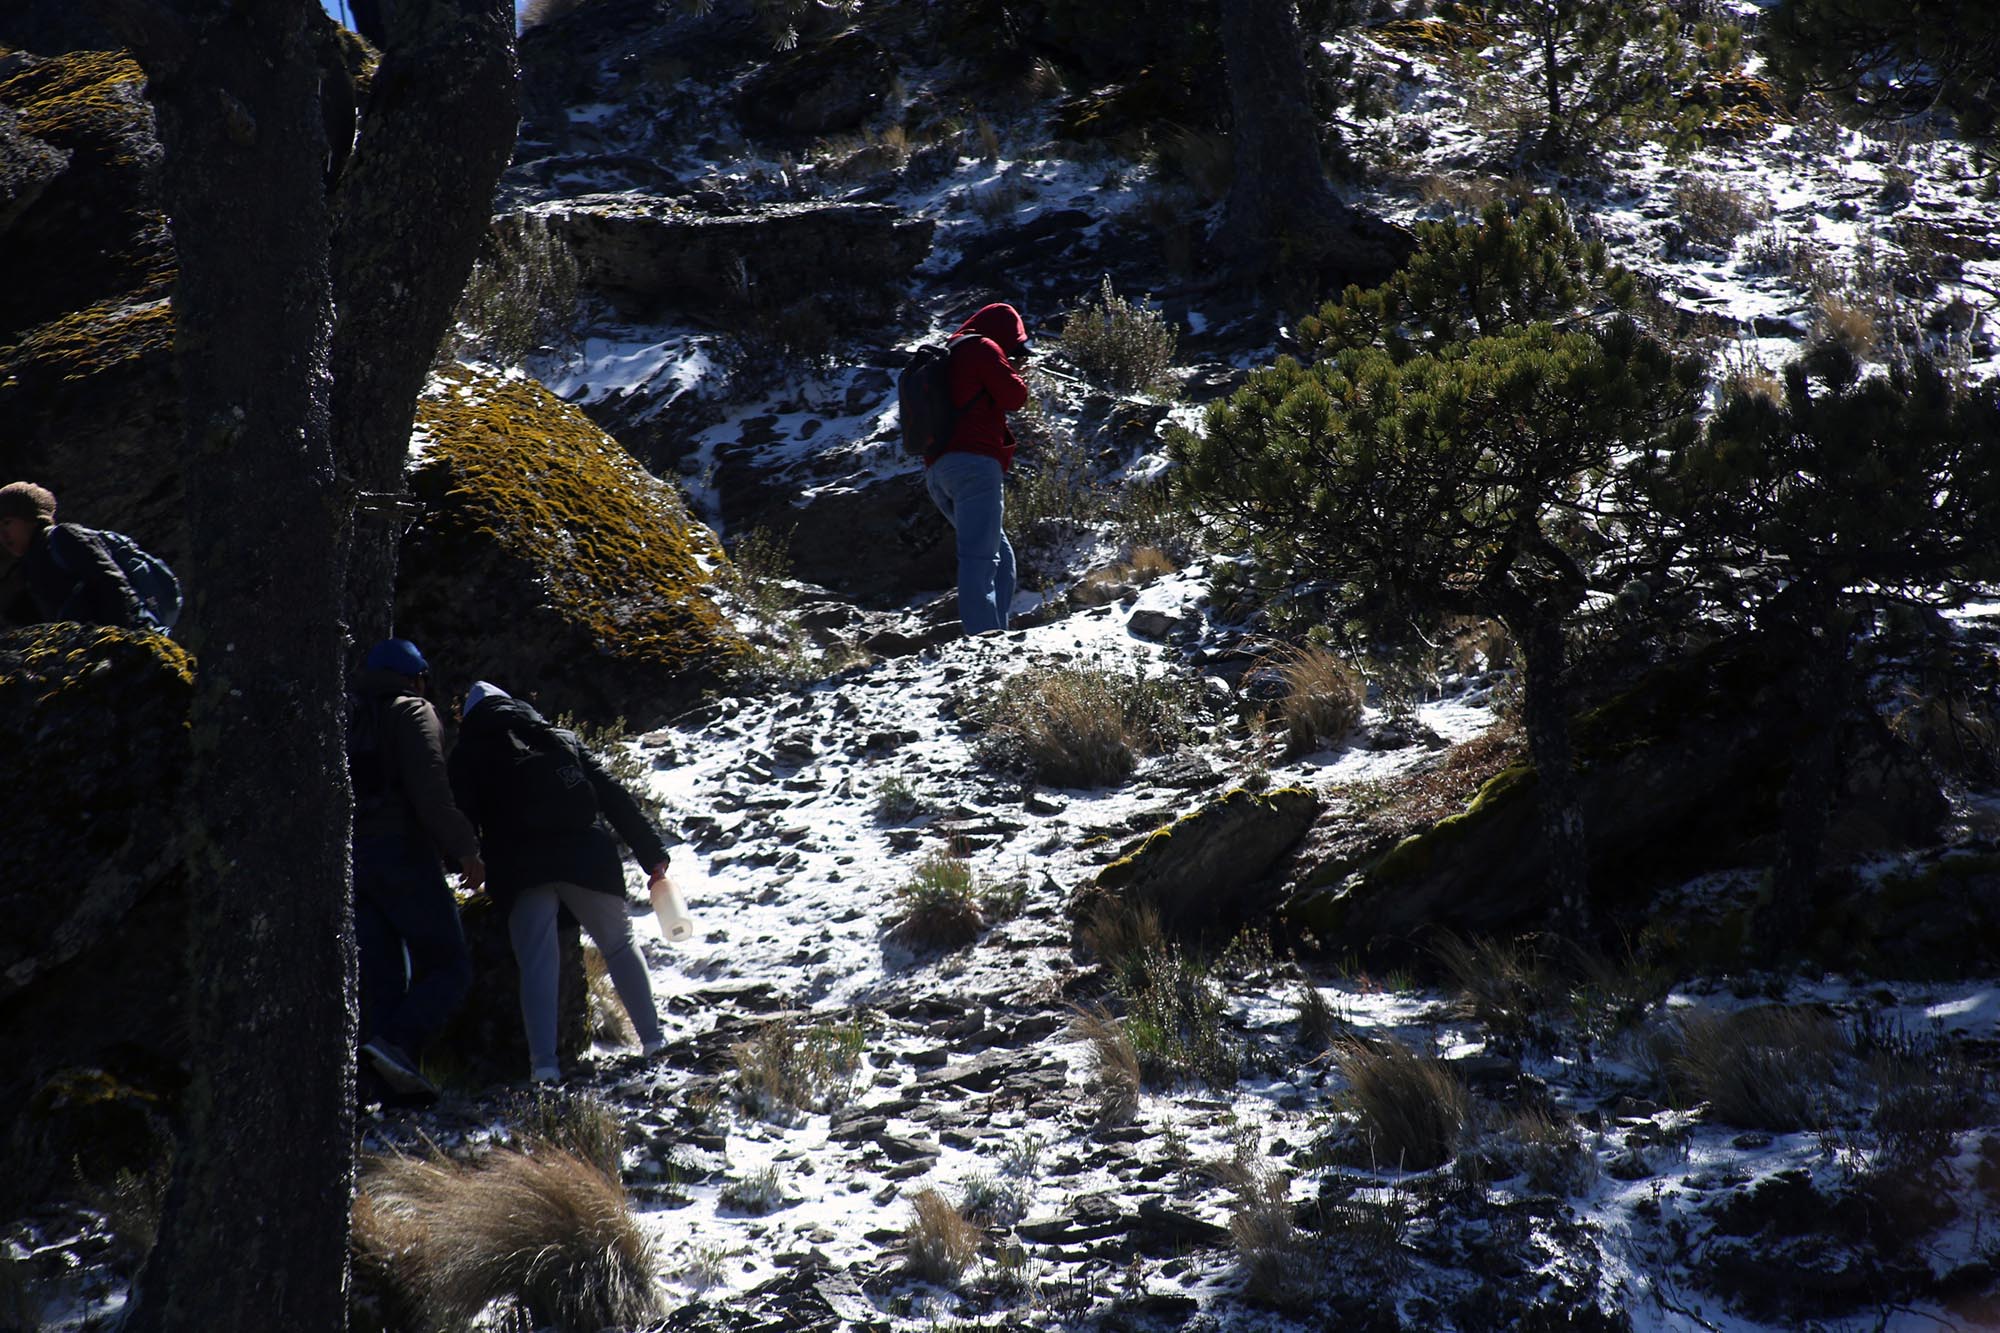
(1412, 857)
(613, 548)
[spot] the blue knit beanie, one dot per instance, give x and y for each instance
(397, 655)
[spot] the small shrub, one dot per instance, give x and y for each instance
(1769, 1068)
(1318, 1023)
(1283, 1267)
(1083, 726)
(1716, 214)
(577, 1123)
(988, 1202)
(1173, 1018)
(757, 1193)
(1411, 1110)
(1126, 346)
(1926, 1094)
(897, 799)
(546, 1230)
(1552, 1153)
(1506, 986)
(790, 1067)
(1115, 1076)
(521, 292)
(939, 904)
(1844, 323)
(1323, 698)
(706, 1266)
(940, 1244)
(1955, 728)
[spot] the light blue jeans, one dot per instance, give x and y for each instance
(970, 490)
(531, 924)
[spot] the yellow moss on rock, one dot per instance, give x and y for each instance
(82, 98)
(613, 548)
(91, 341)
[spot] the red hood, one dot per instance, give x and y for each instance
(1000, 322)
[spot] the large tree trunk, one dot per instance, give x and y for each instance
(1545, 717)
(409, 215)
(1281, 212)
(255, 1228)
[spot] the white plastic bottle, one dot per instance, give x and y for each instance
(675, 923)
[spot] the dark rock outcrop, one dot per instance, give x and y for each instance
(1206, 870)
(818, 89)
(854, 260)
(549, 562)
(94, 730)
(1681, 774)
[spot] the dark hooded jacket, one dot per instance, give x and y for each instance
(70, 576)
(985, 386)
(494, 734)
(409, 795)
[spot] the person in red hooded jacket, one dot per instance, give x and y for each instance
(967, 478)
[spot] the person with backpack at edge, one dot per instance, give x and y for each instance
(536, 793)
(69, 573)
(404, 818)
(966, 478)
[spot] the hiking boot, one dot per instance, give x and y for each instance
(397, 1069)
(546, 1076)
(654, 1048)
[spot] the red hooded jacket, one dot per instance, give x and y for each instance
(985, 387)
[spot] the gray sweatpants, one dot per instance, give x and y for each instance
(532, 926)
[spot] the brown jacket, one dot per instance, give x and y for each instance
(410, 745)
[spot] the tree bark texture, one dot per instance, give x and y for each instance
(409, 213)
(255, 1227)
(1545, 717)
(1281, 212)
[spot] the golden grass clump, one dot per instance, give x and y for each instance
(940, 1244)
(1769, 1068)
(546, 1230)
(1082, 726)
(1115, 1073)
(1323, 698)
(1412, 1110)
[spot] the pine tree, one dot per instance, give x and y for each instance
(1466, 281)
(1893, 58)
(1477, 480)
(1840, 494)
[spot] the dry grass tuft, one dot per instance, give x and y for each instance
(1411, 1109)
(1319, 1025)
(1323, 698)
(1083, 726)
(1770, 1068)
(1115, 1076)
(1118, 930)
(1551, 1152)
(609, 1023)
(577, 1123)
(939, 905)
(1846, 324)
(546, 1230)
(1282, 1266)
(940, 1244)
(1506, 986)
(791, 1067)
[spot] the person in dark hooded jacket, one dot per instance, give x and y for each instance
(967, 478)
(535, 793)
(67, 572)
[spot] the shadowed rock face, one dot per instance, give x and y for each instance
(549, 562)
(1680, 775)
(94, 737)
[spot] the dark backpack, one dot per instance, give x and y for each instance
(923, 401)
(543, 787)
(152, 580)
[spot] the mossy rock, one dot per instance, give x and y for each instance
(87, 383)
(1680, 774)
(549, 562)
(1210, 869)
(82, 1132)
